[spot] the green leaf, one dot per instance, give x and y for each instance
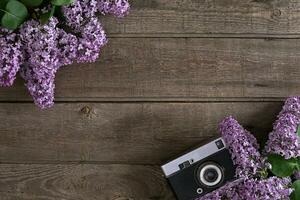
(282, 167)
(298, 131)
(45, 17)
(15, 13)
(61, 2)
(3, 4)
(2, 7)
(296, 194)
(32, 3)
(59, 13)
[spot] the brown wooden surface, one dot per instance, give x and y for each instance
(84, 182)
(170, 73)
(180, 68)
(119, 132)
(247, 17)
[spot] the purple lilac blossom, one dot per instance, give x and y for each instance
(42, 60)
(90, 9)
(283, 140)
(273, 188)
(243, 148)
(91, 41)
(67, 46)
(41, 88)
(74, 15)
(223, 192)
(41, 45)
(292, 105)
(81, 16)
(11, 57)
(80, 12)
(47, 49)
(118, 8)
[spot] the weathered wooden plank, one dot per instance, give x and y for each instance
(82, 182)
(142, 133)
(153, 17)
(178, 68)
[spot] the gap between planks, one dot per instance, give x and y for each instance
(158, 100)
(206, 35)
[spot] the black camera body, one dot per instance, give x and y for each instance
(200, 171)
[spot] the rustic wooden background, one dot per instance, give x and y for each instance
(171, 71)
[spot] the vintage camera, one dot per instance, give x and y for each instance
(200, 171)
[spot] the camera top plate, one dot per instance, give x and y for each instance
(194, 156)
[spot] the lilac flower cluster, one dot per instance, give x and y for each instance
(93, 38)
(46, 49)
(11, 57)
(243, 148)
(41, 55)
(283, 140)
(118, 8)
(253, 189)
(38, 51)
(68, 47)
(223, 192)
(80, 12)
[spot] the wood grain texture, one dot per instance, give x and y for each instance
(82, 182)
(178, 68)
(158, 89)
(137, 133)
(211, 17)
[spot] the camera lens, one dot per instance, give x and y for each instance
(210, 174)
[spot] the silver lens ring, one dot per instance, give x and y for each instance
(216, 169)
